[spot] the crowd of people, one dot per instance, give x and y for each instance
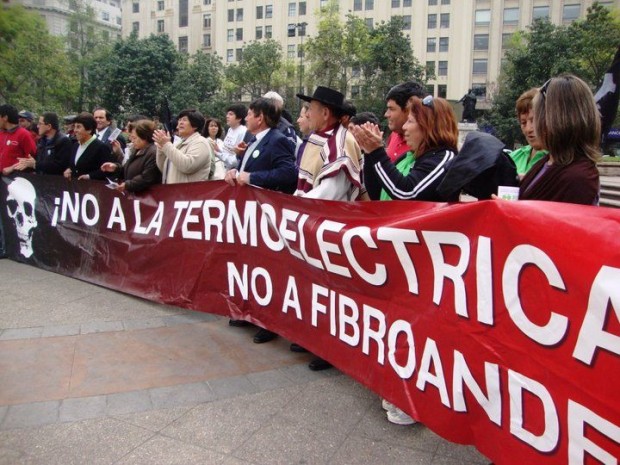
(339, 154)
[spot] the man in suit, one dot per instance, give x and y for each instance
(268, 162)
(88, 153)
(105, 128)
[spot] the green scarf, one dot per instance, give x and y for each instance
(404, 166)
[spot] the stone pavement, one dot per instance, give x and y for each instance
(93, 376)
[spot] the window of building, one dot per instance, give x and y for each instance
(395, 3)
(357, 5)
(290, 52)
(480, 66)
(239, 54)
(160, 5)
(291, 30)
(268, 11)
(239, 33)
(406, 3)
(444, 20)
(370, 5)
(135, 26)
(431, 44)
(369, 23)
(268, 32)
(301, 29)
(231, 15)
(430, 89)
(239, 14)
(430, 67)
(206, 2)
(571, 12)
(105, 16)
(230, 55)
(302, 8)
(135, 7)
(356, 71)
(483, 17)
(292, 9)
(406, 22)
(432, 2)
(355, 91)
(445, 2)
(442, 68)
(119, 20)
(183, 44)
(442, 91)
(206, 21)
(206, 40)
(540, 12)
(432, 21)
(183, 13)
(230, 35)
(160, 25)
(259, 12)
(259, 32)
(481, 41)
(511, 16)
(444, 44)
(506, 40)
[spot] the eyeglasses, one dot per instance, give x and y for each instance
(428, 102)
(543, 89)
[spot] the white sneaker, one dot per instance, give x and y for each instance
(386, 404)
(398, 417)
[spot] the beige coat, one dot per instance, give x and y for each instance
(189, 161)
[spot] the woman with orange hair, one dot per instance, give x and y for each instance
(432, 133)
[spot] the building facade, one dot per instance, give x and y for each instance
(57, 13)
(463, 41)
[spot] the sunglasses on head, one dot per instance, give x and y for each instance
(543, 89)
(428, 102)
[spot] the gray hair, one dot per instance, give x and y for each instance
(277, 98)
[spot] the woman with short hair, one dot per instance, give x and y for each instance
(140, 171)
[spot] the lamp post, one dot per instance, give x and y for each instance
(301, 31)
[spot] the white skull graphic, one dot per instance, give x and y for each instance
(20, 205)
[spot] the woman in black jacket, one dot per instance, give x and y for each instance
(432, 134)
(141, 169)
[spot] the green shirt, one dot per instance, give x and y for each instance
(404, 166)
(521, 158)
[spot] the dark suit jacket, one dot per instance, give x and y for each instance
(95, 155)
(53, 156)
(272, 163)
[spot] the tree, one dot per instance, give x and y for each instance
(584, 48)
(336, 48)
(84, 45)
(258, 70)
(135, 74)
(34, 70)
(389, 61)
(198, 82)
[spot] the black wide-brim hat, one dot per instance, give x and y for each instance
(326, 96)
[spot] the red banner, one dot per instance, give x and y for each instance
(493, 323)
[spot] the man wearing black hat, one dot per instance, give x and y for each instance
(25, 119)
(331, 163)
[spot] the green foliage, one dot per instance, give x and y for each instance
(197, 83)
(134, 75)
(34, 71)
(259, 69)
(83, 47)
(585, 48)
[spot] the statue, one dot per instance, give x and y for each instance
(469, 107)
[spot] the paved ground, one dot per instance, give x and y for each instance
(92, 376)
